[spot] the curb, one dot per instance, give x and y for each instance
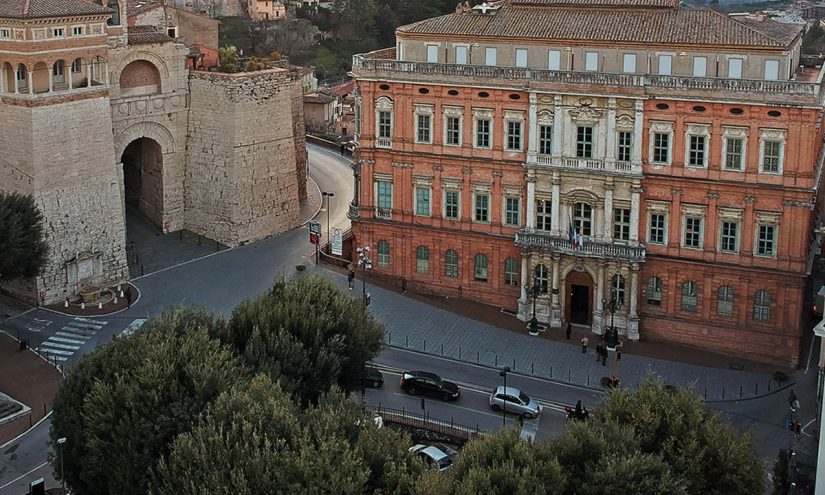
(101, 314)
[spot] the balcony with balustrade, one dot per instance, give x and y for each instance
(588, 249)
(612, 167)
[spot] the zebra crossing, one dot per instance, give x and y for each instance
(66, 341)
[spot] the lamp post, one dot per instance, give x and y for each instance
(364, 262)
(60, 442)
(328, 196)
(534, 322)
(503, 373)
(612, 337)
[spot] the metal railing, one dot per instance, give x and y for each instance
(426, 422)
(588, 249)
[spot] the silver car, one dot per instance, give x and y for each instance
(516, 402)
(433, 456)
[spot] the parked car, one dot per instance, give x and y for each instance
(429, 384)
(516, 401)
(433, 456)
(373, 377)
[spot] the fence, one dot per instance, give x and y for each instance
(426, 422)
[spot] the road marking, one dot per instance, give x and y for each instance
(49, 343)
(73, 335)
(82, 326)
(79, 331)
(65, 341)
(15, 480)
(448, 404)
(133, 327)
(87, 320)
(55, 351)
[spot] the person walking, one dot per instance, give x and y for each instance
(343, 148)
(351, 277)
(604, 355)
(579, 411)
(599, 349)
(569, 330)
(793, 401)
(128, 298)
(584, 344)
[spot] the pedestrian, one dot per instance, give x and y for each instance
(128, 298)
(403, 285)
(792, 399)
(569, 330)
(584, 344)
(579, 414)
(604, 355)
(599, 349)
(585, 413)
(351, 277)
(343, 148)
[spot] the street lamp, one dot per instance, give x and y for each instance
(503, 373)
(60, 442)
(534, 322)
(364, 262)
(612, 336)
(328, 196)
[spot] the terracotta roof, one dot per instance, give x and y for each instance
(23, 9)
(620, 25)
(145, 35)
(318, 98)
(343, 89)
(601, 3)
(782, 32)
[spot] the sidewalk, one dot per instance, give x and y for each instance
(481, 334)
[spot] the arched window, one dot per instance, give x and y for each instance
(689, 296)
(383, 253)
(22, 74)
(762, 305)
(422, 260)
(451, 264)
(724, 301)
(57, 72)
(76, 65)
(541, 277)
(511, 272)
(654, 291)
(480, 268)
(115, 19)
(582, 218)
(618, 286)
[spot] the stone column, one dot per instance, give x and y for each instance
(638, 129)
(16, 85)
(524, 276)
(608, 209)
(106, 68)
(598, 314)
(632, 328)
(532, 126)
(68, 69)
(598, 225)
(610, 150)
(555, 286)
(554, 204)
(635, 192)
(531, 201)
(558, 126)
(51, 79)
(89, 74)
(30, 77)
(2, 78)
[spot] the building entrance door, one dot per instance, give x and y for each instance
(579, 294)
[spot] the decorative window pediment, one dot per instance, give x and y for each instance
(451, 183)
(625, 122)
(768, 217)
(423, 180)
(658, 206)
(730, 214)
(659, 126)
(453, 111)
(482, 186)
(383, 103)
(694, 210)
(483, 113)
(511, 189)
(424, 109)
(585, 114)
(735, 132)
(513, 115)
(546, 117)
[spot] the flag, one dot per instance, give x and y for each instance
(580, 240)
(571, 234)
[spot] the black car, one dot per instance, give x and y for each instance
(429, 384)
(373, 377)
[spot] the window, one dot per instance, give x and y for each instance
(733, 153)
(693, 232)
(422, 260)
(771, 70)
(771, 156)
(619, 287)
(545, 139)
(383, 253)
(584, 142)
(58, 32)
(625, 146)
(483, 133)
(700, 66)
(554, 60)
(543, 214)
(689, 296)
(734, 68)
(657, 230)
(482, 207)
(451, 201)
(400, 50)
(511, 272)
(490, 56)
(621, 224)
(661, 147)
(21, 73)
(513, 135)
(451, 264)
(629, 63)
(57, 72)
(480, 268)
(424, 128)
(654, 291)
(591, 61)
(5, 33)
(521, 57)
(384, 124)
(696, 151)
(422, 201)
(432, 54)
(766, 240)
(724, 301)
(540, 275)
(729, 237)
(664, 64)
(384, 193)
(115, 19)
(762, 306)
(452, 131)
(582, 217)
(76, 66)
(77, 31)
(512, 213)
(461, 54)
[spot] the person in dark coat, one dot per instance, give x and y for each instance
(569, 330)
(128, 298)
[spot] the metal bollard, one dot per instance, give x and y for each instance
(514, 364)
(425, 345)
(496, 360)
(723, 392)
(755, 389)
(442, 349)
(478, 356)
(141, 270)
(569, 375)
(588, 379)
(706, 393)
(740, 391)
(531, 368)
(459, 352)
(406, 341)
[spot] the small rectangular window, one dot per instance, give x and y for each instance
(432, 54)
(453, 131)
(483, 133)
(545, 140)
(629, 63)
(771, 70)
(461, 54)
(76, 66)
(591, 61)
(77, 31)
(58, 32)
(733, 154)
(384, 193)
(696, 151)
(482, 207)
(451, 199)
(554, 60)
(490, 56)
(514, 135)
(693, 232)
(422, 201)
(424, 124)
(512, 211)
(735, 68)
(729, 237)
(771, 156)
(384, 125)
(621, 224)
(625, 146)
(661, 147)
(766, 241)
(544, 209)
(658, 223)
(584, 142)
(521, 57)
(5, 33)
(665, 62)
(700, 66)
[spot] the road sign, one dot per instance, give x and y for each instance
(314, 238)
(314, 227)
(337, 242)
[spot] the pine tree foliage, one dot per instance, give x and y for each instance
(23, 247)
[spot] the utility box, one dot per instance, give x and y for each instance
(37, 487)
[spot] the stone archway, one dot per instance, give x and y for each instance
(579, 297)
(143, 178)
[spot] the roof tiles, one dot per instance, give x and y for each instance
(24, 9)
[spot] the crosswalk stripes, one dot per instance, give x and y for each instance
(68, 340)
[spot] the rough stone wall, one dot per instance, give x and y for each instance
(16, 172)
(241, 180)
(299, 131)
(153, 17)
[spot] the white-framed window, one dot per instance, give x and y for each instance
(771, 70)
(696, 149)
(618, 284)
(514, 134)
(689, 296)
(629, 63)
(490, 56)
(762, 305)
(511, 270)
(584, 141)
(76, 65)
(484, 132)
(512, 211)
(422, 201)
(480, 268)
(591, 61)
(554, 60)
(693, 232)
(383, 253)
(734, 145)
(766, 239)
(624, 146)
(77, 30)
(451, 264)
(724, 301)
(735, 67)
(21, 74)
(621, 224)
(461, 54)
(422, 260)
(58, 32)
(541, 274)
(665, 64)
(452, 204)
(521, 57)
(399, 49)
(582, 218)
(481, 201)
(5, 33)
(58, 72)
(654, 291)
(383, 122)
(660, 142)
(423, 124)
(383, 198)
(700, 66)
(432, 54)
(771, 148)
(544, 208)
(545, 139)
(657, 227)
(729, 236)
(452, 126)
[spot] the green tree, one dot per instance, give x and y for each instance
(123, 404)
(306, 333)
(228, 59)
(22, 242)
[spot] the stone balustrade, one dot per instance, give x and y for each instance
(589, 249)
(603, 166)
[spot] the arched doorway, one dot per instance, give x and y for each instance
(143, 179)
(578, 307)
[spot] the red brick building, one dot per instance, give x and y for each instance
(625, 163)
